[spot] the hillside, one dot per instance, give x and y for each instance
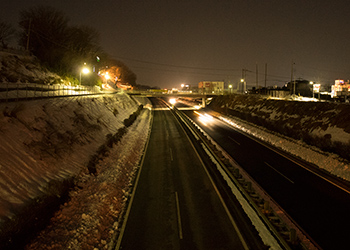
(18, 66)
(323, 124)
(73, 156)
(50, 146)
(316, 132)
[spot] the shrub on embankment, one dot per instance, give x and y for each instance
(112, 140)
(322, 124)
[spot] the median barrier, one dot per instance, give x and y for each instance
(288, 233)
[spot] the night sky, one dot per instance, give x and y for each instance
(167, 43)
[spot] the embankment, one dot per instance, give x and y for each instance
(321, 124)
(46, 144)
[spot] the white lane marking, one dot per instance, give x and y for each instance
(240, 236)
(158, 109)
(178, 215)
(279, 172)
(171, 155)
(234, 140)
(285, 156)
(167, 134)
(233, 222)
(128, 210)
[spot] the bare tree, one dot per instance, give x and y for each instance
(6, 33)
(119, 70)
(84, 45)
(64, 48)
(44, 33)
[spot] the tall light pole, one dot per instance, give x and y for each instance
(313, 92)
(107, 78)
(230, 88)
(292, 81)
(243, 83)
(243, 80)
(85, 71)
(28, 35)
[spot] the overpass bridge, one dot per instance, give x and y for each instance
(202, 96)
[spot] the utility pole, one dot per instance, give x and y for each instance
(28, 35)
(257, 76)
(292, 78)
(265, 74)
(243, 80)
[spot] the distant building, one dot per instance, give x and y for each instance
(340, 89)
(300, 88)
(277, 92)
(211, 87)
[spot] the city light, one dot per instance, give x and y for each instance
(204, 118)
(85, 71)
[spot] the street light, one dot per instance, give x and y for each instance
(85, 71)
(244, 86)
(230, 87)
(107, 77)
(313, 91)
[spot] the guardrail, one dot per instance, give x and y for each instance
(10, 92)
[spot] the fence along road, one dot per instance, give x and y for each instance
(10, 92)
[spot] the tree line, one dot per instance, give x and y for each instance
(61, 47)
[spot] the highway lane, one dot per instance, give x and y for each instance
(175, 205)
(320, 208)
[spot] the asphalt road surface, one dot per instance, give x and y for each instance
(321, 208)
(175, 205)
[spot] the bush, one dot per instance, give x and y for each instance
(110, 141)
(129, 121)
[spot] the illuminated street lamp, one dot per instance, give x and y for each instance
(313, 91)
(317, 88)
(172, 102)
(230, 87)
(107, 77)
(85, 71)
(244, 85)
